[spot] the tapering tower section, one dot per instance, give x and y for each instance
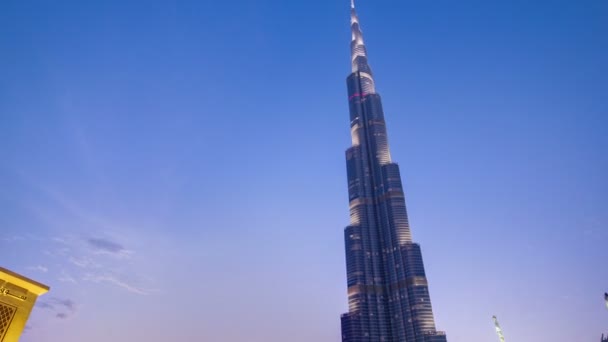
(358, 53)
(388, 293)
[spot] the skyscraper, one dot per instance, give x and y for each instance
(388, 292)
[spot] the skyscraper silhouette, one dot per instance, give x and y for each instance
(388, 292)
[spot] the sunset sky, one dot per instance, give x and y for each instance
(175, 170)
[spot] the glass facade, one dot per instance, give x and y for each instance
(388, 294)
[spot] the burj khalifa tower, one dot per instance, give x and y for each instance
(388, 293)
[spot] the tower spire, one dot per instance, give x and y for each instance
(359, 53)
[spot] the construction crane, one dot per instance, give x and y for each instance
(498, 330)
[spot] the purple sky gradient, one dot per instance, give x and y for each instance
(175, 170)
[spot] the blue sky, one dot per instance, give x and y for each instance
(175, 170)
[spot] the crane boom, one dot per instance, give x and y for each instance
(498, 330)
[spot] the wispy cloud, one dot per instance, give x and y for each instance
(39, 268)
(99, 260)
(66, 278)
(66, 303)
(95, 248)
(118, 281)
(44, 305)
(62, 308)
(107, 246)
(83, 262)
(12, 238)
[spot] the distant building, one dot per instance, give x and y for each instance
(18, 295)
(604, 339)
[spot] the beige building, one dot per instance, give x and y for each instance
(18, 295)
